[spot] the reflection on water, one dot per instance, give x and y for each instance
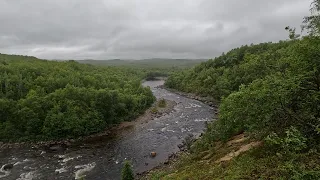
(102, 158)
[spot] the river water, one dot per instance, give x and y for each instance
(102, 158)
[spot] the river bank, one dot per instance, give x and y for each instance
(101, 157)
(56, 144)
(210, 101)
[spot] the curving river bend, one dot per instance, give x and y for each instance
(102, 159)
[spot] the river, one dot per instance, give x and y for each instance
(102, 158)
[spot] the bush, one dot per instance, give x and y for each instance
(127, 172)
(162, 103)
(154, 110)
(293, 141)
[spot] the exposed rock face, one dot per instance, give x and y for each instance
(242, 149)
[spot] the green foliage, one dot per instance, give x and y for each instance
(293, 142)
(252, 165)
(273, 87)
(268, 91)
(154, 110)
(292, 33)
(153, 75)
(41, 100)
(162, 103)
(263, 88)
(223, 75)
(127, 172)
(155, 64)
(312, 22)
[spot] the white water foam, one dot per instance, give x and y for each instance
(17, 163)
(192, 105)
(61, 156)
(67, 159)
(5, 173)
(186, 130)
(61, 170)
(202, 120)
(27, 176)
(83, 169)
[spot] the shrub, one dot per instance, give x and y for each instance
(293, 141)
(154, 110)
(127, 172)
(162, 103)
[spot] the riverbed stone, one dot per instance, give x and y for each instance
(7, 167)
(56, 148)
(153, 154)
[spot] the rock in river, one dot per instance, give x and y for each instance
(153, 154)
(7, 167)
(56, 148)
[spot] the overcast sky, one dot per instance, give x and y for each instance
(135, 29)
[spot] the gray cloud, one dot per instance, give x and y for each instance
(105, 29)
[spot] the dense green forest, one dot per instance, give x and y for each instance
(156, 63)
(153, 68)
(42, 100)
(269, 91)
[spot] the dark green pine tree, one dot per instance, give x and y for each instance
(127, 172)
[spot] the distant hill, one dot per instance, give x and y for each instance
(147, 63)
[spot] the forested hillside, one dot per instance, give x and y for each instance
(41, 100)
(223, 75)
(158, 63)
(262, 88)
(270, 92)
(151, 67)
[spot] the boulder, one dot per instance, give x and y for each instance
(7, 167)
(153, 154)
(56, 148)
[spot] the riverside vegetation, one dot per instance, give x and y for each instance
(49, 100)
(270, 93)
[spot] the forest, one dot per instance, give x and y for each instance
(261, 88)
(155, 63)
(49, 100)
(271, 93)
(267, 93)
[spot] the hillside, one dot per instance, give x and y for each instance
(45, 100)
(147, 63)
(269, 93)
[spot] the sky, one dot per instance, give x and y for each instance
(139, 29)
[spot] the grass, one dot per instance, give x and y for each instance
(258, 163)
(154, 110)
(162, 103)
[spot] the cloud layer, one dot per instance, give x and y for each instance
(135, 29)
